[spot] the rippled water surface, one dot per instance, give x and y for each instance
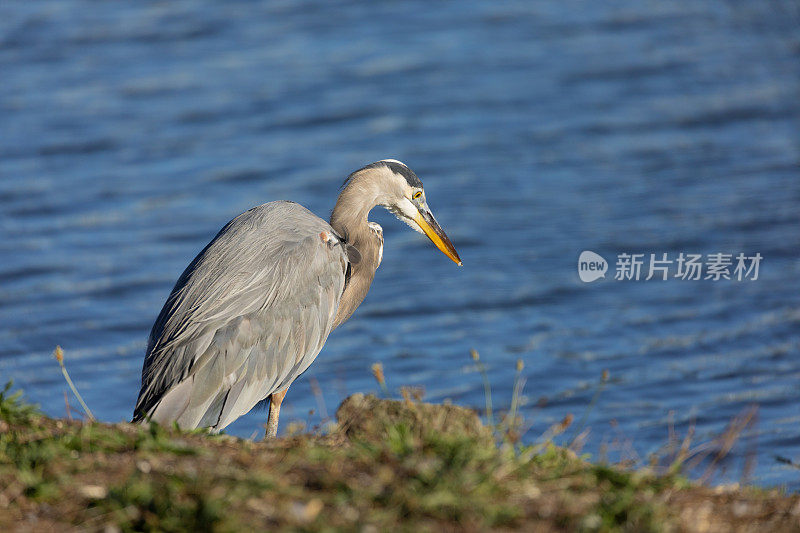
(130, 132)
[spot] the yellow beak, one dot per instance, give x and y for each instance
(436, 234)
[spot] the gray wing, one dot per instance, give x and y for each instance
(245, 319)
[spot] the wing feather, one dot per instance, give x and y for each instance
(245, 319)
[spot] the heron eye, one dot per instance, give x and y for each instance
(417, 195)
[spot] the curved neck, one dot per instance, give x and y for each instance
(349, 215)
(349, 220)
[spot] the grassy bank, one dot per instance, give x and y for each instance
(388, 465)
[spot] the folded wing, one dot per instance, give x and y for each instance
(245, 319)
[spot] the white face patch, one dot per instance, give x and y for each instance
(406, 211)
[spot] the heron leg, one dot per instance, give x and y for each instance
(275, 400)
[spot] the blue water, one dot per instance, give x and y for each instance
(130, 132)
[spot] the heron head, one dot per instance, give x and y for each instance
(401, 192)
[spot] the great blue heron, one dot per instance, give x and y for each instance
(251, 312)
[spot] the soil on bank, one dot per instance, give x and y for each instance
(388, 465)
